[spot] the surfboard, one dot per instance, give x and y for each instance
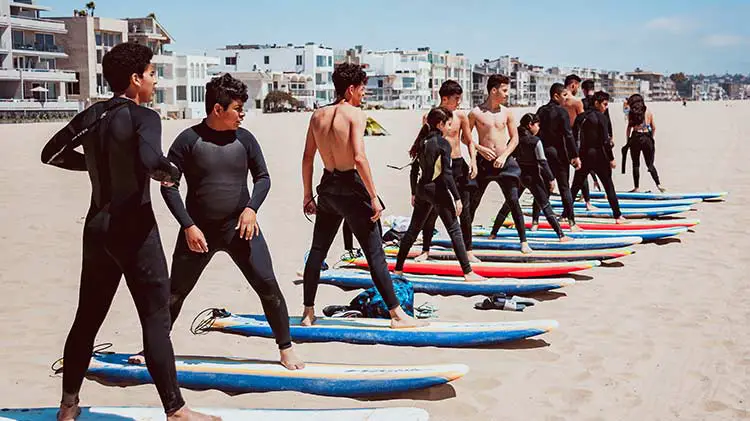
(237, 375)
(118, 413)
(441, 253)
(609, 224)
(663, 196)
(378, 331)
(627, 213)
(349, 279)
(646, 235)
(542, 244)
(487, 269)
(630, 204)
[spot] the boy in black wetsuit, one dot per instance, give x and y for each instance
(346, 191)
(596, 152)
(215, 156)
(121, 151)
(559, 146)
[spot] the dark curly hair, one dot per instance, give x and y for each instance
(601, 96)
(637, 114)
(450, 88)
(495, 81)
(346, 75)
(223, 90)
(122, 61)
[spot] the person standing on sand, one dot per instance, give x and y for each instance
(640, 134)
(121, 151)
(495, 161)
(559, 146)
(596, 152)
(221, 215)
(435, 190)
(456, 132)
(346, 191)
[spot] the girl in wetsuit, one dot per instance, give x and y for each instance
(435, 189)
(640, 134)
(536, 175)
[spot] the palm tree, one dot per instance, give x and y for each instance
(151, 15)
(91, 6)
(82, 13)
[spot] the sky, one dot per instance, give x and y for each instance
(691, 36)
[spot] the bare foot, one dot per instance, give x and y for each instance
(68, 413)
(308, 316)
(492, 236)
(401, 320)
(398, 272)
(137, 359)
(525, 249)
(621, 220)
(534, 227)
(565, 239)
(575, 228)
(472, 258)
(635, 190)
(422, 257)
(589, 206)
(474, 277)
(290, 360)
(187, 414)
(661, 188)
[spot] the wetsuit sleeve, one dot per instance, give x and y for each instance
(177, 153)
(569, 141)
(543, 164)
(414, 176)
(60, 150)
(148, 130)
(609, 123)
(257, 165)
(604, 133)
(447, 164)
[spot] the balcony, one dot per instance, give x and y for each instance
(39, 50)
(35, 105)
(37, 24)
(146, 33)
(163, 58)
(46, 75)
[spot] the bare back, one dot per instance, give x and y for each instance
(453, 135)
(492, 127)
(574, 106)
(333, 129)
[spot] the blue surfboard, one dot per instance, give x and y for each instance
(541, 244)
(646, 235)
(631, 204)
(446, 285)
(662, 196)
(378, 331)
(627, 213)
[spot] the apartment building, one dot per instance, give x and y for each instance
(660, 88)
(412, 79)
(312, 62)
(192, 74)
(31, 78)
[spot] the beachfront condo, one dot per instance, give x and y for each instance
(32, 77)
(273, 67)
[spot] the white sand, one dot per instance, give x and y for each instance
(664, 337)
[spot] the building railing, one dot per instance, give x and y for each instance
(39, 47)
(38, 19)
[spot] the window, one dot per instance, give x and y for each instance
(409, 82)
(99, 55)
(266, 60)
(321, 95)
(257, 103)
(270, 87)
(74, 88)
(299, 60)
(182, 93)
(330, 61)
(275, 85)
(46, 63)
(159, 96)
(319, 79)
(230, 61)
(320, 61)
(160, 70)
(17, 39)
(98, 38)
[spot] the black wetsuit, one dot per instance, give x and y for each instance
(216, 166)
(120, 235)
(588, 102)
(642, 140)
(342, 196)
(535, 176)
(460, 171)
(596, 155)
(559, 148)
(435, 189)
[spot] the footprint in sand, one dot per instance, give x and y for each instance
(715, 406)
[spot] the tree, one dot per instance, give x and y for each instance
(276, 101)
(91, 6)
(151, 15)
(678, 77)
(81, 12)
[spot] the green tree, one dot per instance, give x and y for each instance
(91, 7)
(277, 100)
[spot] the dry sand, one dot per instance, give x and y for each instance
(664, 337)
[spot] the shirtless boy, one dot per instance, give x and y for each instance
(464, 175)
(494, 124)
(346, 191)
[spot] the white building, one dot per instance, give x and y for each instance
(192, 75)
(30, 79)
(310, 61)
(412, 79)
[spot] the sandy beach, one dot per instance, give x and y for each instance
(663, 335)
